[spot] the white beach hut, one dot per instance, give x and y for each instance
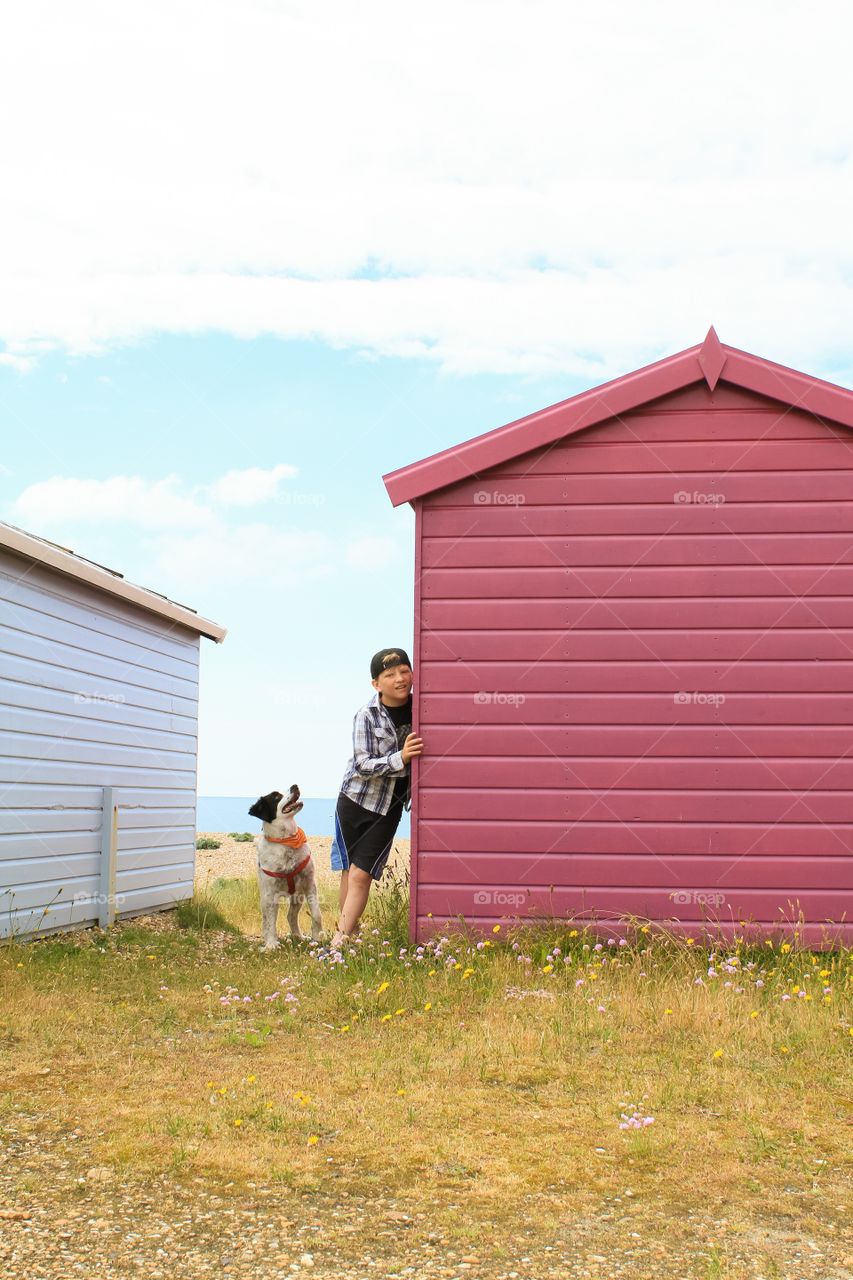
(98, 741)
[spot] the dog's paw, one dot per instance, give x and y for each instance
(271, 946)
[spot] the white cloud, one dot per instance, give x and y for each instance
(246, 488)
(23, 364)
(188, 536)
(371, 552)
(128, 500)
(536, 186)
(241, 554)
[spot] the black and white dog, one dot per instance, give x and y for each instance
(284, 866)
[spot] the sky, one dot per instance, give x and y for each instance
(254, 256)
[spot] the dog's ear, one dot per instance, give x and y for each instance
(266, 807)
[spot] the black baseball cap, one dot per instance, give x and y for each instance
(388, 658)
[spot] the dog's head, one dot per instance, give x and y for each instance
(275, 805)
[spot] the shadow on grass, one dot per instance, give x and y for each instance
(207, 910)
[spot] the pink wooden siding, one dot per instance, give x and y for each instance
(634, 702)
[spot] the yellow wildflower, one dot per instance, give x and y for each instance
(383, 986)
(718, 1053)
(313, 1139)
(428, 1006)
(496, 928)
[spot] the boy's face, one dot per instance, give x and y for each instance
(394, 684)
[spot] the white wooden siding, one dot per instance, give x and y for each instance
(94, 692)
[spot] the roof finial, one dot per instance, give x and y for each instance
(711, 357)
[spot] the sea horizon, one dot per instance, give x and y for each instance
(231, 813)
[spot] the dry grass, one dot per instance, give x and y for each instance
(492, 1076)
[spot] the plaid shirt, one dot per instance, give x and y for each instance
(376, 762)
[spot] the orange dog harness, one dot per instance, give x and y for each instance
(292, 842)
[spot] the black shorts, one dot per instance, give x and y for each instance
(363, 838)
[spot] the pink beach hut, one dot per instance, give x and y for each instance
(634, 657)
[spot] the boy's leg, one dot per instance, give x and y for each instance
(342, 897)
(358, 891)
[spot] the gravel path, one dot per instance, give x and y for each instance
(91, 1221)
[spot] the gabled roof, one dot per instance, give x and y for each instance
(711, 360)
(53, 556)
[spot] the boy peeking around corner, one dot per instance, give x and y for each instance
(375, 788)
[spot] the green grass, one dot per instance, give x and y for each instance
(495, 1069)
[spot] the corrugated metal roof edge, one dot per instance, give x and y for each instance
(111, 581)
(710, 360)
